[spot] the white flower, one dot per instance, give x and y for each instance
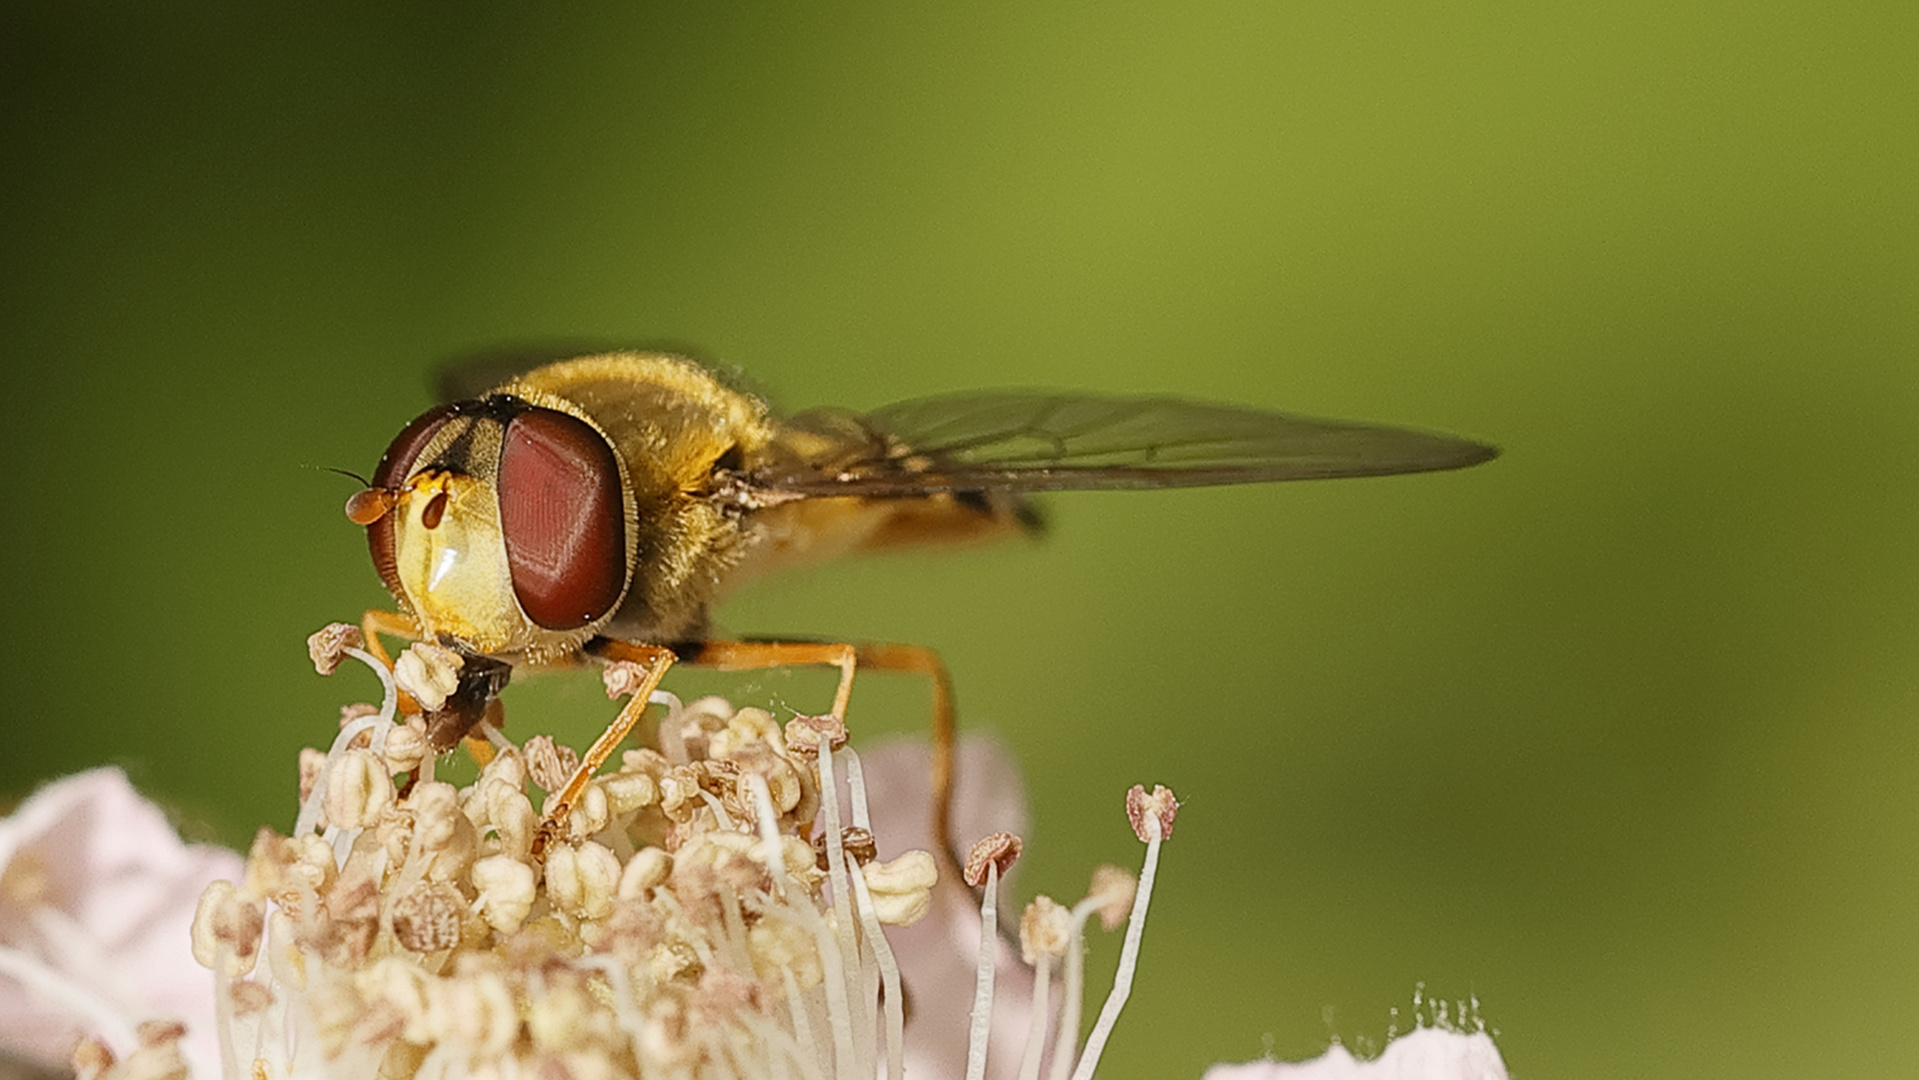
(938, 954)
(97, 895)
(711, 915)
(1424, 1054)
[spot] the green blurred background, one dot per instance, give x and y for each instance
(1616, 734)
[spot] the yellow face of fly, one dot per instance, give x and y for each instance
(451, 561)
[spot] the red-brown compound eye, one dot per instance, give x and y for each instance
(563, 517)
(395, 466)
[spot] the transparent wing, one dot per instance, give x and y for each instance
(1025, 441)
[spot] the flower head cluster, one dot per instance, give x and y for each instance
(715, 907)
(712, 908)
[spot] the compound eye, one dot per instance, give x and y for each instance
(563, 518)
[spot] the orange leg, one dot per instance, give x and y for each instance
(742, 655)
(655, 659)
(920, 659)
(749, 655)
(753, 655)
(376, 622)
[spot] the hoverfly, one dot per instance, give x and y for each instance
(599, 506)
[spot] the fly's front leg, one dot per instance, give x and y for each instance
(654, 660)
(479, 689)
(752, 655)
(376, 622)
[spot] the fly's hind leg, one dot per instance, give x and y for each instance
(925, 661)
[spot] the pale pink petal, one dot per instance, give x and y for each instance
(937, 954)
(1425, 1054)
(988, 796)
(96, 888)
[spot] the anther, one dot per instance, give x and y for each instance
(1152, 815)
(328, 645)
(997, 851)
